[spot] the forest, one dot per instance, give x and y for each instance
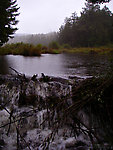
(94, 27)
(71, 109)
(34, 39)
(92, 31)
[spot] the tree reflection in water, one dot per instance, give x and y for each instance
(4, 68)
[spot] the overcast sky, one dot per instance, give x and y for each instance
(43, 16)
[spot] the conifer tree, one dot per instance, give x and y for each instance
(8, 13)
(98, 1)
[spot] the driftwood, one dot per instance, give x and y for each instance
(93, 95)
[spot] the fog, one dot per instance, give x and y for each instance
(44, 16)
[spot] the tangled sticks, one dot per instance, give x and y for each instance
(86, 109)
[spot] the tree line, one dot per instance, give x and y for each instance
(86, 30)
(44, 39)
(94, 27)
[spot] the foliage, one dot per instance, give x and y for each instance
(39, 47)
(98, 1)
(21, 49)
(93, 28)
(54, 45)
(31, 50)
(98, 50)
(8, 13)
(95, 96)
(67, 46)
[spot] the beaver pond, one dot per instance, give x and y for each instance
(61, 65)
(69, 107)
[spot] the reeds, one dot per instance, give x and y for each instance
(20, 49)
(27, 49)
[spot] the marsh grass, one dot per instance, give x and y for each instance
(26, 49)
(20, 49)
(108, 49)
(52, 51)
(98, 50)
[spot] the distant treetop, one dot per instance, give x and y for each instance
(98, 1)
(94, 27)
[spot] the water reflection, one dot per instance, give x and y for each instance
(58, 65)
(48, 64)
(4, 67)
(85, 64)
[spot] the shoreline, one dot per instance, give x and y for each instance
(30, 50)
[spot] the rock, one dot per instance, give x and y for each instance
(44, 78)
(59, 80)
(34, 77)
(70, 142)
(80, 143)
(2, 144)
(82, 148)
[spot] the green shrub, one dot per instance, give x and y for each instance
(39, 47)
(54, 45)
(44, 48)
(22, 49)
(34, 51)
(67, 46)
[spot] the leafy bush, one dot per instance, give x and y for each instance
(22, 49)
(39, 47)
(67, 46)
(54, 45)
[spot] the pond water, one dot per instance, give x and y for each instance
(62, 65)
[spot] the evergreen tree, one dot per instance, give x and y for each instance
(98, 1)
(93, 28)
(8, 13)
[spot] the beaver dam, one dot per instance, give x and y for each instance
(50, 113)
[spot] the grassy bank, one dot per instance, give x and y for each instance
(99, 50)
(31, 50)
(20, 49)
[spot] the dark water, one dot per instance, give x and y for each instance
(4, 66)
(62, 65)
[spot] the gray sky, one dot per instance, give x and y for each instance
(43, 16)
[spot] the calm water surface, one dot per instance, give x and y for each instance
(62, 65)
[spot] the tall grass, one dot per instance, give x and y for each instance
(53, 48)
(20, 49)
